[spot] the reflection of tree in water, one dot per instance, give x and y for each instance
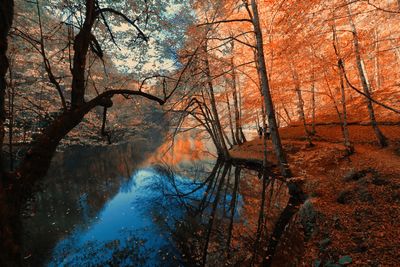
(223, 215)
(79, 183)
(228, 217)
(130, 252)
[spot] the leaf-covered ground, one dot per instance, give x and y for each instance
(354, 202)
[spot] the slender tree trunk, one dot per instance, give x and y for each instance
(263, 118)
(11, 96)
(230, 119)
(210, 116)
(300, 104)
(280, 155)
(257, 121)
(346, 136)
(313, 104)
(287, 114)
(376, 61)
(235, 100)
(227, 138)
(313, 107)
(332, 97)
(364, 81)
(214, 110)
(345, 131)
(242, 136)
(264, 136)
(210, 126)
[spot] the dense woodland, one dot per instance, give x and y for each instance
(321, 77)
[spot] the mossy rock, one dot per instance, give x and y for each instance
(308, 216)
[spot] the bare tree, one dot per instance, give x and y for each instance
(364, 80)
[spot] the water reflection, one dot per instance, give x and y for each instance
(116, 212)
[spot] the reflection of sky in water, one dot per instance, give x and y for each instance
(135, 227)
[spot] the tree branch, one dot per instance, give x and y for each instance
(132, 22)
(362, 93)
(224, 21)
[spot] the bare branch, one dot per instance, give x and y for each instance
(224, 21)
(132, 22)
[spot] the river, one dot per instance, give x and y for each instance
(149, 203)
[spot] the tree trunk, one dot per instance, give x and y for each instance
(300, 104)
(213, 127)
(10, 250)
(263, 118)
(11, 97)
(345, 131)
(376, 61)
(37, 159)
(346, 136)
(289, 119)
(81, 47)
(230, 120)
(235, 103)
(214, 110)
(313, 105)
(242, 136)
(280, 155)
(364, 81)
(6, 19)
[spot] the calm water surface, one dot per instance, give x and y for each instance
(139, 204)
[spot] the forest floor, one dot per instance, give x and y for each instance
(355, 199)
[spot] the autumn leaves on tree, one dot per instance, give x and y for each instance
(297, 62)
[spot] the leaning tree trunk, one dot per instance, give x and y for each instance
(364, 81)
(276, 140)
(348, 145)
(230, 119)
(214, 110)
(345, 131)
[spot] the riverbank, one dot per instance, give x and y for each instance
(353, 207)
